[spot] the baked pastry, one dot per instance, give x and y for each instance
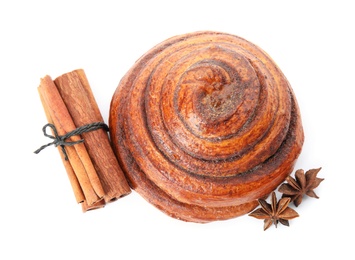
(204, 124)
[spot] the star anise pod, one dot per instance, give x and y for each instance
(277, 211)
(302, 184)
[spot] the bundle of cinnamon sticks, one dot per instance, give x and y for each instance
(94, 173)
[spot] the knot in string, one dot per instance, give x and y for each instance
(60, 140)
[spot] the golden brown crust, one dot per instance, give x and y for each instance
(204, 124)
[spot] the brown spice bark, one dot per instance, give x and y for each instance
(77, 155)
(78, 192)
(79, 99)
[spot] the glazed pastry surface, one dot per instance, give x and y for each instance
(204, 124)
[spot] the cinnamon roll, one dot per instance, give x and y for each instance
(204, 124)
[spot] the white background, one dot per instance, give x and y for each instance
(311, 41)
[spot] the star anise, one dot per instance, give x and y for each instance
(302, 184)
(275, 212)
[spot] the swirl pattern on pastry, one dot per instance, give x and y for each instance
(204, 124)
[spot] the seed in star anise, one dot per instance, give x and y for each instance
(275, 212)
(302, 184)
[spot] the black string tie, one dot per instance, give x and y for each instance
(60, 140)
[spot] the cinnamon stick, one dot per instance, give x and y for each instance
(75, 90)
(97, 205)
(78, 156)
(78, 192)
